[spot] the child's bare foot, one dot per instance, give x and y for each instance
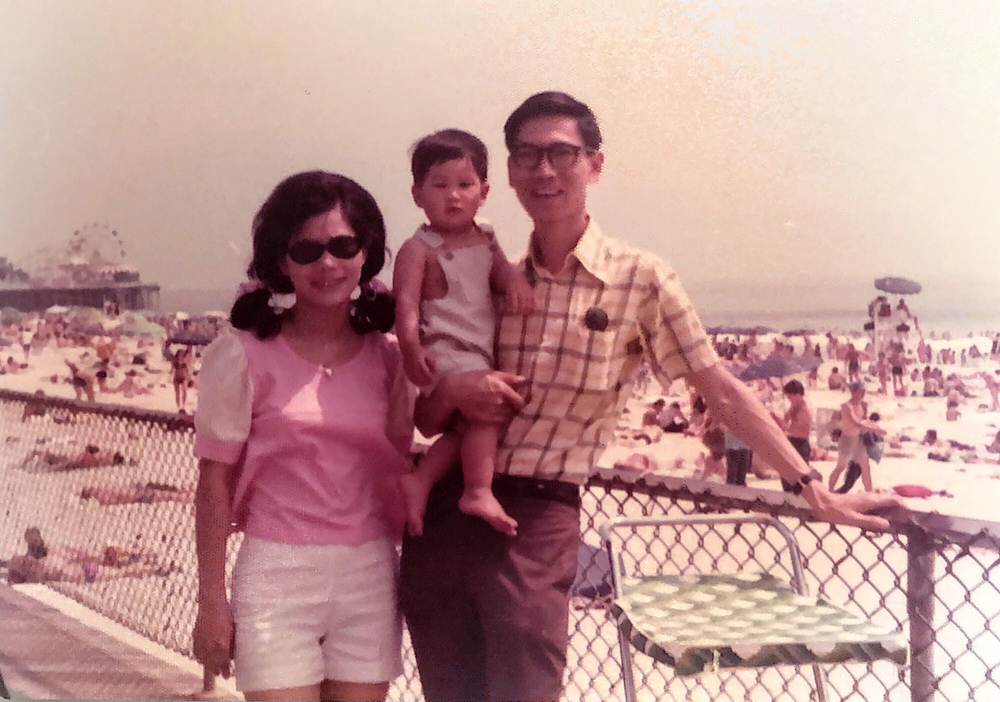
(483, 503)
(415, 491)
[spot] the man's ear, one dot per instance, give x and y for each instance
(484, 192)
(596, 165)
(415, 192)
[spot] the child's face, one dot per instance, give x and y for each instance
(450, 195)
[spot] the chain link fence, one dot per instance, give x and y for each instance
(933, 578)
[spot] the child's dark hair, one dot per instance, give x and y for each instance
(448, 145)
(295, 200)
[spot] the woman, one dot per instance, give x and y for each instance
(303, 422)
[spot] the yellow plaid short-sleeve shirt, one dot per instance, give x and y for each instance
(609, 309)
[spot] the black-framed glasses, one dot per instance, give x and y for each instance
(561, 155)
(306, 251)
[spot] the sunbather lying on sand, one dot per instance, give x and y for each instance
(79, 565)
(137, 493)
(90, 457)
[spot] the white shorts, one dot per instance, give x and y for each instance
(308, 613)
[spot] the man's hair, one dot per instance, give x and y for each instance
(557, 104)
(856, 386)
(447, 145)
(794, 387)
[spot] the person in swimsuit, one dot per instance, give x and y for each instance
(181, 368)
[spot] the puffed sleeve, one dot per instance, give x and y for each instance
(402, 396)
(225, 401)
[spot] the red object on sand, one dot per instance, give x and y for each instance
(913, 490)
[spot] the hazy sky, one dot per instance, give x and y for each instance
(776, 140)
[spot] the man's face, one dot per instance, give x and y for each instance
(551, 194)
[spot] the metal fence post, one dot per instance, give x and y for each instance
(920, 557)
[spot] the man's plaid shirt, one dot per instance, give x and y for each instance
(609, 309)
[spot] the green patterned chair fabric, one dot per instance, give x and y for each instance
(720, 621)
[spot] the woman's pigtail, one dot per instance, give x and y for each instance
(251, 311)
(374, 310)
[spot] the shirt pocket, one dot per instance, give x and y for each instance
(589, 354)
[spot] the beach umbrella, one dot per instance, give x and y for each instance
(191, 338)
(742, 330)
(142, 327)
(10, 315)
(779, 367)
(897, 286)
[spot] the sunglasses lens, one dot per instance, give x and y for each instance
(305, 252)
(343, 246)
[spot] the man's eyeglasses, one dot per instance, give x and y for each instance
(306, 251)
(561, 155)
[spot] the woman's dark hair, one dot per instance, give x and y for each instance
(294, 201)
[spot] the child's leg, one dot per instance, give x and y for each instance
(479, 448)
(440, 457)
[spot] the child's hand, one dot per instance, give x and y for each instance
(419, 366)
(519, 296)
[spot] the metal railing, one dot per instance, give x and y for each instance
(937, 578)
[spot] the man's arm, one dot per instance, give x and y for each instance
(732, 402)
(481, 396)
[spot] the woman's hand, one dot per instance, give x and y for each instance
(213, 637)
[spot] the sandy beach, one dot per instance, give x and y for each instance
(141, 362)
(158, 455)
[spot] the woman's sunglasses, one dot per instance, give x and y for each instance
(306, 251)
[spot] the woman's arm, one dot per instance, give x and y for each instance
(213, 628)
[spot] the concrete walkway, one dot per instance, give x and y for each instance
(46, 653)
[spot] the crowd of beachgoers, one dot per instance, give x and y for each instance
(136, 358)
(935, 396)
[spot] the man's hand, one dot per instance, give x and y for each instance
(486, 396)
(855, 509)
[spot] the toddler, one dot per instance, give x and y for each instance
(443, 281)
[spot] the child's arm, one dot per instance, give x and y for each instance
(407, 283)
(507, 279)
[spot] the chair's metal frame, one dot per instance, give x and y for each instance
(607, 532)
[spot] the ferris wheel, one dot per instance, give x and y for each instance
(96, 244)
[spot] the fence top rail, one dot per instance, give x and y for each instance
(943, 526)
(38, 399)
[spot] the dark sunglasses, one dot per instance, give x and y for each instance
(307, 251)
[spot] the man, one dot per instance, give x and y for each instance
(488, 615)
(850, 446)
(797, 422)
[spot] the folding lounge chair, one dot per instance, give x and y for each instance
(694, 621)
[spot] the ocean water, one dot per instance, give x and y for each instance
(956, 307)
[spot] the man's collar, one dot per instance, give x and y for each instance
(590, 251)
